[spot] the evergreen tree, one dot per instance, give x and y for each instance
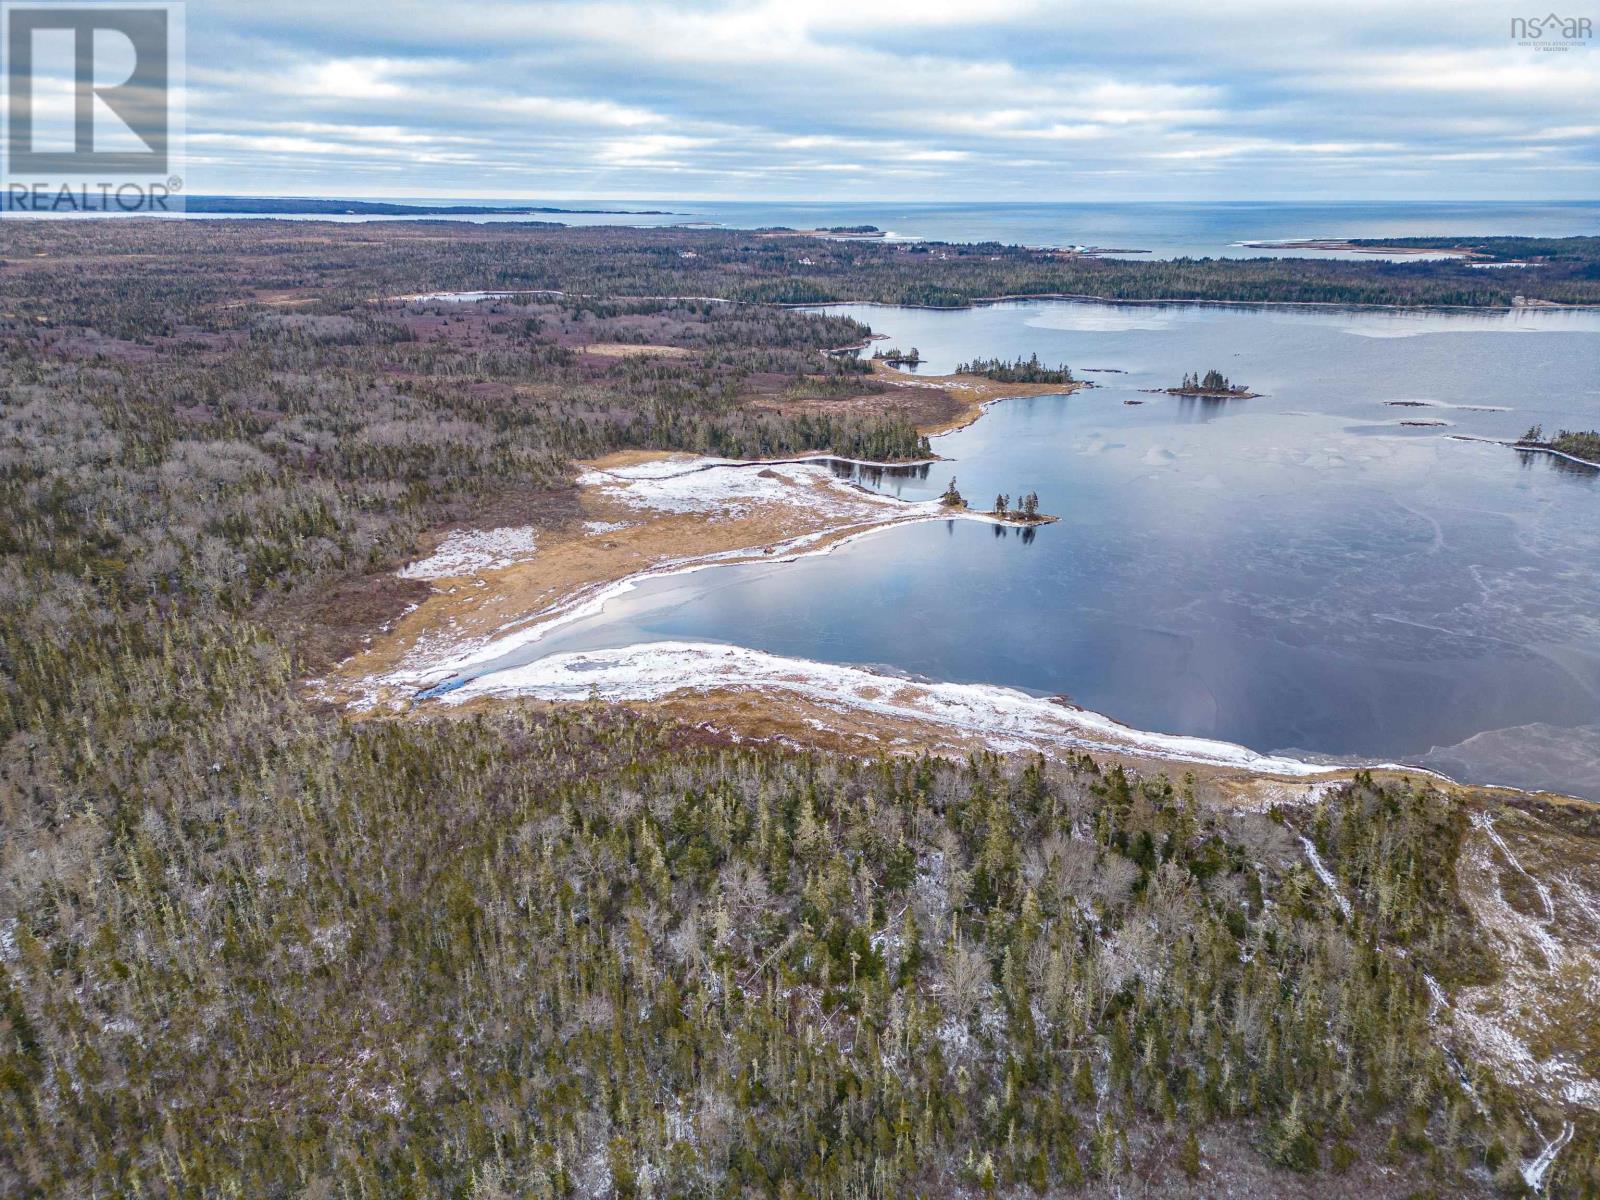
(1189, 1156)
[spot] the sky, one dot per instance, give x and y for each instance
(893, 99)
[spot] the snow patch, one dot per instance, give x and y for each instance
(1541, 976)
(469, 551)
(1485, 822)
(727, 489)
(470, 297)
(1328, 881)
(1533, 1172)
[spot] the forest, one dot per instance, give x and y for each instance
(201, 265)
(251, 946)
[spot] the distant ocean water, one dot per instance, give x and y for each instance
(1164, 229)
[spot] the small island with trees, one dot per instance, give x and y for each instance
(896, 357)
(1212, 383)
(1023, 511)
(1583, 446)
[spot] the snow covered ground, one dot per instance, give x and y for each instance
(1003, 718)
(1550, 969)
(724, 488)
(469, 551)
(1326, 876)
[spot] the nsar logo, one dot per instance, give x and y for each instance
(1552, 31)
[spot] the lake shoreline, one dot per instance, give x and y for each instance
(1528, 448)
(424, 665)
(1360, 247)
(1087, 298)
(475, 297)
(973, 393)
(652, 514)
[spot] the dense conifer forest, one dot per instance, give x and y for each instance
(252, 947)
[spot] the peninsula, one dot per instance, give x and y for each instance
(1580, 447)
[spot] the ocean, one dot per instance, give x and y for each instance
(1160, 229)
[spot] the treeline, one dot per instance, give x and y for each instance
(572, 955)
(1019, 370)
(286, 454)
(346, 266)
(1026, 508)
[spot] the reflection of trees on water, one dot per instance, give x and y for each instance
(873, 477)
(1203, 407)
(1564, 466)
(1027, 533)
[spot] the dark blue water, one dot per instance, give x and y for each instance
(1166, 230)
(1297, 572)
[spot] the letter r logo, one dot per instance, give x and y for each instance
(89, 83)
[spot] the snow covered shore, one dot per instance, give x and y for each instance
(1003, 718)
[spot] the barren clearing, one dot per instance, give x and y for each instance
(625, 349)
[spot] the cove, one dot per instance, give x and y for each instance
(1302, 573)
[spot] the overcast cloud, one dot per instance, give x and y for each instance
(1010, 100)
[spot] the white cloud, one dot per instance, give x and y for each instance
(747, 97)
